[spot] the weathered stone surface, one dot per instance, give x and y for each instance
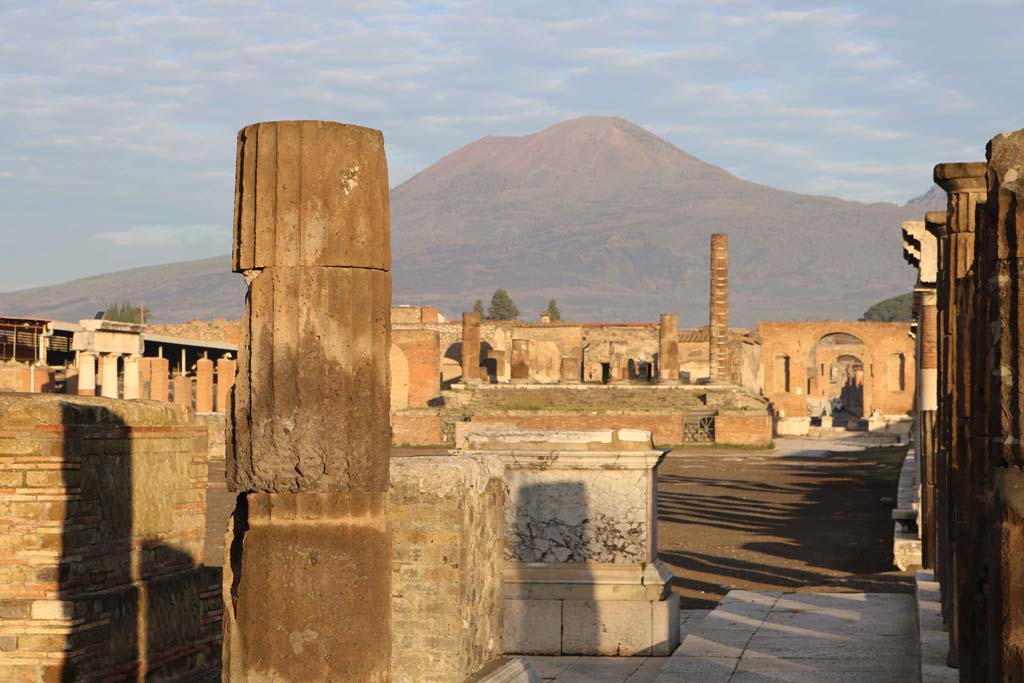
(204, 385)
(447, 517)
(312, 395)
(311, 193)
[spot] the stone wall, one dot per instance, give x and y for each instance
(420, 368)
(448, 539)
(416, 428)
(103, 509)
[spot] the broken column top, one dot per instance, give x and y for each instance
(1005, 154)
(920, 249)
(961, 176)
(295, 198)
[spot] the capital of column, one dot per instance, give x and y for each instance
(966, 184)
(935, 223)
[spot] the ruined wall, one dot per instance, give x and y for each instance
(743, 429)
(447, 520)
(24, 377)
(420, 349)
(103, 512)
(416, 428)
(789, 345)
(640, 340)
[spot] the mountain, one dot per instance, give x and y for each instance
(598, 213)
(932, 200)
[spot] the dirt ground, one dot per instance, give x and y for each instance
(798, 519)
(803, 519)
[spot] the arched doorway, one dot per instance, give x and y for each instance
(839, 377)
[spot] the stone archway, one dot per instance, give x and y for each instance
(838, 375)
(399, 379)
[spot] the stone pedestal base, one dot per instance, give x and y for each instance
(792, 426)
(594, 609)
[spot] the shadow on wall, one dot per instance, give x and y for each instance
(138, 601)
(551, 524)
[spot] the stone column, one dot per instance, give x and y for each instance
(204, 385)
(668, 349)
(160, 371)
(86, 373)
(131, 377)
(998, 471)
(928, 360)
(719, 319)
(471, 348)
(225, 380)
(108, 375)
(965, 185)
(183, 391)
(618, 362)
(307, 573)
(520, 361)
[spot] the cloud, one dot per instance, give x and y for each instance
(166, 236)
(132, 120)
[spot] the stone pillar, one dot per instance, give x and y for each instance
(618, 362)
(520, 361)
(131, 377)
(183, 391)
(204, 385)
(108, 375)
(86, 373)
(307, 568)
(502, 373)
(998, 470)
(965, 185)
(471, 348)
(928, 361)
(668, 349)
(719, 319)
(160, 371)
(225, 380)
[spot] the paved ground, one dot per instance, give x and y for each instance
(813, 515)
(767, 637)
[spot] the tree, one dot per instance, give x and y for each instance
(478, 307)
(126, 313)
(501, 307)
(553, 311)
(897, 309)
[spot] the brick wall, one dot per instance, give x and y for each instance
(416, 428)
(420, 348)
(743, 429)
(102, 511)
(447, 520)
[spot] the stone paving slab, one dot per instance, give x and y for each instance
(763, 637)
(934, 641)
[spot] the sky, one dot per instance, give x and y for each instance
(118, 120)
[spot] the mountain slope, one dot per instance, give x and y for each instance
(598, 213)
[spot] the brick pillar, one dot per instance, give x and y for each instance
(131, 377)
(471, 348)
(204, 385)
(160, 371)
(86, 373)
(719, 318)
(307, 573)
(183, 391)
(108, 375)
(145, 377)
(965, 186)
(225, 380)
(520, 361)
(668, 349)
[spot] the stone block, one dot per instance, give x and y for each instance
(792, 426)
(619, 628)
(665, 626)
(532, 627)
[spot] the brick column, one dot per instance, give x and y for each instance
(307, 573)
(183, 391)
(225, 380)
(719, 318)
(928, 360)
(131, 377)
(86, 373)
(108, 375)
(668, 349)
(204, 385)
(159, 377)
(965, 186)
(520, 361)
(471, 348)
